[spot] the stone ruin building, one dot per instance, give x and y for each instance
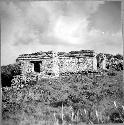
(53, 63)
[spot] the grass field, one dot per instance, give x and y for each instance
(31, 105)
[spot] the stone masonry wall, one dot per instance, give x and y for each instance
(58, 64)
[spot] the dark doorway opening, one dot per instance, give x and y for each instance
(36, 66)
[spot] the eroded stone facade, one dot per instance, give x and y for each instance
(49, 63)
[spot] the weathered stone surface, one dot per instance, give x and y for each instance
(54, 63)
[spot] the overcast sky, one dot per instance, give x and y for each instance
(31, 26)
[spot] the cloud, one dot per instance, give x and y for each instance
(105, 41)
(108, 18)
(27, 19)
(76, 8)
(45, 25)
(70, 30)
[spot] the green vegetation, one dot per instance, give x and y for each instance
(40, 102)
(7, 73)
(72, 98)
